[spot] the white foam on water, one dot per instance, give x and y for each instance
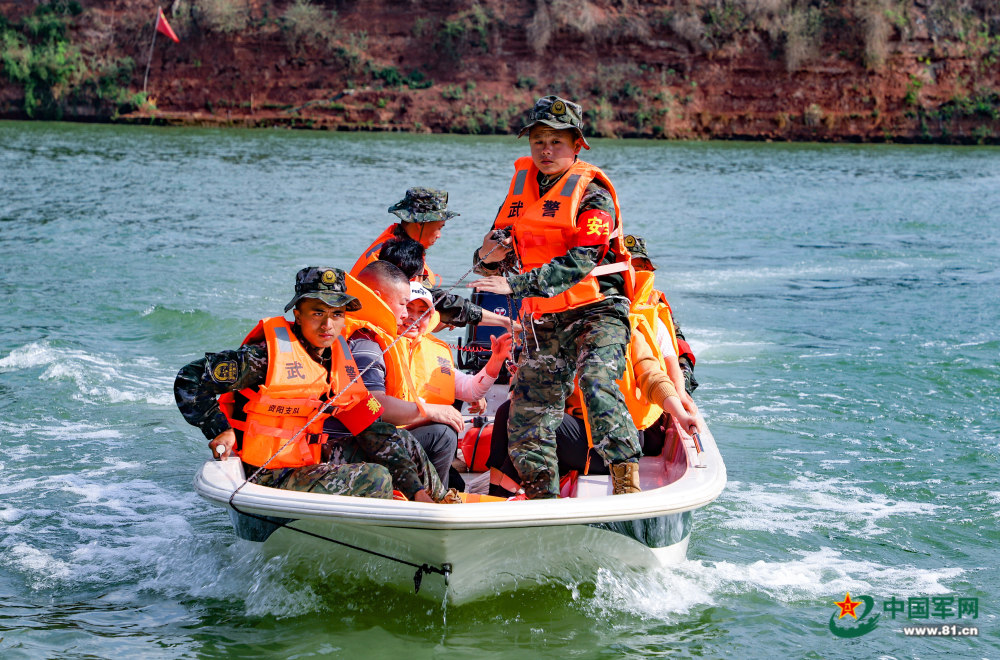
(10, 514)
(107, 527)
(831, 464)
(39, 567)
(19, 452)
(816, 574)
(98, 378)
(809, 502)
(820, 452)
(75, 431)
(670, 593)
(662, 594)
(27, 356)
(775, 408)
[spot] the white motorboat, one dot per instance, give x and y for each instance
(484, 547)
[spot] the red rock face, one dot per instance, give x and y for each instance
(726, 69)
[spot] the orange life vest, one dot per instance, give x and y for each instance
(653, 304)
(643, 411)
(545, 228)
(430, 279)
(432, 369)
(378, 319)
(295, 388)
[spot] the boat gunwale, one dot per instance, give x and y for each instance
(699, 486)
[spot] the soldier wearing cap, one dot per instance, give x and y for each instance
(422, 215)
(680, 362)
(254, 401)
(565, 259)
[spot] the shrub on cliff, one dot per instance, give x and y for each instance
(307, 25)
(468, 30)
(223, 16)
(876, 30)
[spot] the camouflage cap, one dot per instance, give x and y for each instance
(423, 205)
(636, 245)
(556, 113)
(325, 284)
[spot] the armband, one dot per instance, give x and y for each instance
(593, 228)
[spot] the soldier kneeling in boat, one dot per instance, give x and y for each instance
(254, 401)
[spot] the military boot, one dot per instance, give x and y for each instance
(624, 478)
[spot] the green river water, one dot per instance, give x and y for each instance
(843, 303)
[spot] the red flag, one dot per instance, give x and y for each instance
(164, 28)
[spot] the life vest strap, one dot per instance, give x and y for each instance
(498, 478)
(608, 269)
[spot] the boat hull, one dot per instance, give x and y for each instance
(489, 547)
(482, 562)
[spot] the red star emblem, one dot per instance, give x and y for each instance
(847, 606)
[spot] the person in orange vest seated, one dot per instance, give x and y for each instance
(423, 213)
(645, 372)
(556, 244)
(675, 350)
(432, 365)
(372, 334)
(289, 394)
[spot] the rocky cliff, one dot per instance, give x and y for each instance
(838, 70)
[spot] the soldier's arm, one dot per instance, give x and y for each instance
(596, 214)
(199, 384)
(454, 309)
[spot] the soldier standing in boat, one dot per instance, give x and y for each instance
(566, 261)
(253, 400)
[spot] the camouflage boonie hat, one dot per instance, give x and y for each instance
(423, 205)
(557, 113)
(325, 284)
(636, 245)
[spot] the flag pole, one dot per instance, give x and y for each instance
(151, 44)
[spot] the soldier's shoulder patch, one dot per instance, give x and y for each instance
(225, 372)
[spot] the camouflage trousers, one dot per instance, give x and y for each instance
(394, 448)
(587, 344)
(357, 479)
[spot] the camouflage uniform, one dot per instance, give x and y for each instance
(589, 343)
(199, 383)
(358, 479)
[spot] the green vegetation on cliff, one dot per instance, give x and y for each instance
(37, 52)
